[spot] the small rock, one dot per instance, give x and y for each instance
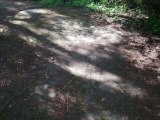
(33, 67)
(103, 99)
(52, 94)
(52, 58)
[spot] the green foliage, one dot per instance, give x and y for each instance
(113, 8)
(66, 2)
(150, 5)
(86, 10)
(108, 9)
(96, 6)
(52, 2)
(154, 23)
(76, 3)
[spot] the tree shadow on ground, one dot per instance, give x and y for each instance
(55, 92)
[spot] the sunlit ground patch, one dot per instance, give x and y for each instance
(72, 37)
(84, 51)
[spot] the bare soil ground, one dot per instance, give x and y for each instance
(65, 64)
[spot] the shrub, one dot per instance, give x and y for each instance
(153, 22)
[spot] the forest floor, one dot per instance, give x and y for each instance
(66, 64)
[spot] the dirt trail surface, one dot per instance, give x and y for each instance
(65, 64)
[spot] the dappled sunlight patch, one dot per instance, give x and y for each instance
(41, 11)
(49, 99)
(19, 22)
(20, 3)
(83, 51)
(4, 29)
(23, 15)
(52, 94)
(135, 92)
(45, 91)
(68, 34)
(78, 70)
(28, 27)
(126, 88)
(59, 25)
(27, 14)
(10, 8)
(90, 72)
(105, 115)
(29, 39)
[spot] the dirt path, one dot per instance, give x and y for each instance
(69, 67)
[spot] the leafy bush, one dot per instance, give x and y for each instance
(153, 22)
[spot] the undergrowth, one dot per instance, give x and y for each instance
(113, 10)
(153, 22)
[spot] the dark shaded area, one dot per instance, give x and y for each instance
(152, 6)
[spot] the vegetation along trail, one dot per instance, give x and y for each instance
(64, 63)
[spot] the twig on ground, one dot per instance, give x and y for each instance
(66, 85)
